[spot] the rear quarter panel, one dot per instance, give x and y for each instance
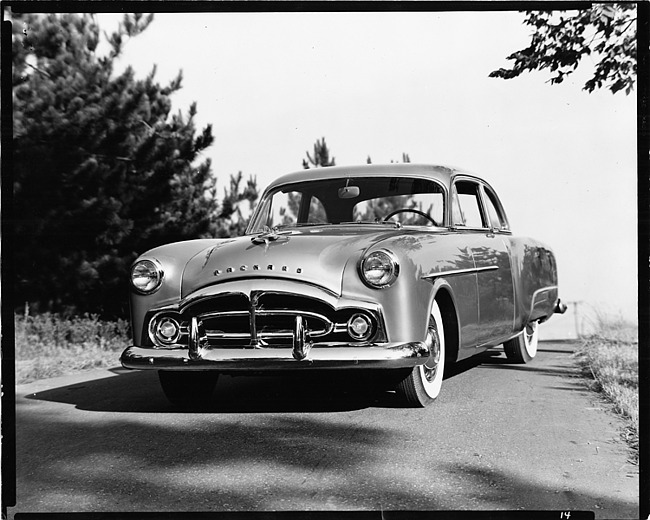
(534, 271)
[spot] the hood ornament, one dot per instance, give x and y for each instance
(269, 235)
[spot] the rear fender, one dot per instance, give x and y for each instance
(535, 280)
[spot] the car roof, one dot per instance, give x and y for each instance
(440, 173)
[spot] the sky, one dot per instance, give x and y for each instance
(562, 161)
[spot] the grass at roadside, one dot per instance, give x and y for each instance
(609, 357)
(48, 345)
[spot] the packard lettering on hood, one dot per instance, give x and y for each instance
(256, 267)
(402, 269)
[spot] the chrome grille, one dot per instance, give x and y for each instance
(270, 326)
(261, 319)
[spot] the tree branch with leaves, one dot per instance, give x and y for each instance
(605, 33)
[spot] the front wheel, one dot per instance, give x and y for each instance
(523, 348)
(188, 389)
(423, 384)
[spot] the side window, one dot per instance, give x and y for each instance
(497, 219)
(469, 206)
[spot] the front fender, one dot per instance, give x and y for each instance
(173, 258)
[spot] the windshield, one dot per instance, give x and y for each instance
(409, 201)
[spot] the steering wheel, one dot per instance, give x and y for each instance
(412, 210)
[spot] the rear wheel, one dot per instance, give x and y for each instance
(188, 389)
(423, 384)
(523, 348)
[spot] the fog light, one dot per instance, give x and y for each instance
(359, 327)
(167, 331)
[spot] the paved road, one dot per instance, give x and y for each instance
(500, 437)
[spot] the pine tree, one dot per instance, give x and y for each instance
(405, 159)
(321, 157)
(232, 221)
(101, 171)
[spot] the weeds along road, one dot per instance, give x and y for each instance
(500, 437)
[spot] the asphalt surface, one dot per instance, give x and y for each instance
(500, 437)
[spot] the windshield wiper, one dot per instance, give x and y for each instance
(302, 224)
(397, 225)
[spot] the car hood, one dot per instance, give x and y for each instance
(316, 255)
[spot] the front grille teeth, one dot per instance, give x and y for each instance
(301, 340)
(262, 327)
(198, 338)
(262, 320)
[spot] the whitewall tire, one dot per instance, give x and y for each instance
(523, 348)
(422, 386)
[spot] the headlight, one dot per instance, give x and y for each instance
(379, 269)
(146, 276)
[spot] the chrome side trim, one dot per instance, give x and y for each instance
(455, 272)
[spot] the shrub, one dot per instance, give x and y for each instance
(49, 345)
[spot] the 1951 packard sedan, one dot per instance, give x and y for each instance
(399, 268)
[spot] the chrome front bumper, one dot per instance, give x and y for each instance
(319, 356)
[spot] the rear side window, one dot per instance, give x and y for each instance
(466, 205)
(497, 219)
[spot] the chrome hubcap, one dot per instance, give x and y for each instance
(430, 368)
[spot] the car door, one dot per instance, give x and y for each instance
(477, 215)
